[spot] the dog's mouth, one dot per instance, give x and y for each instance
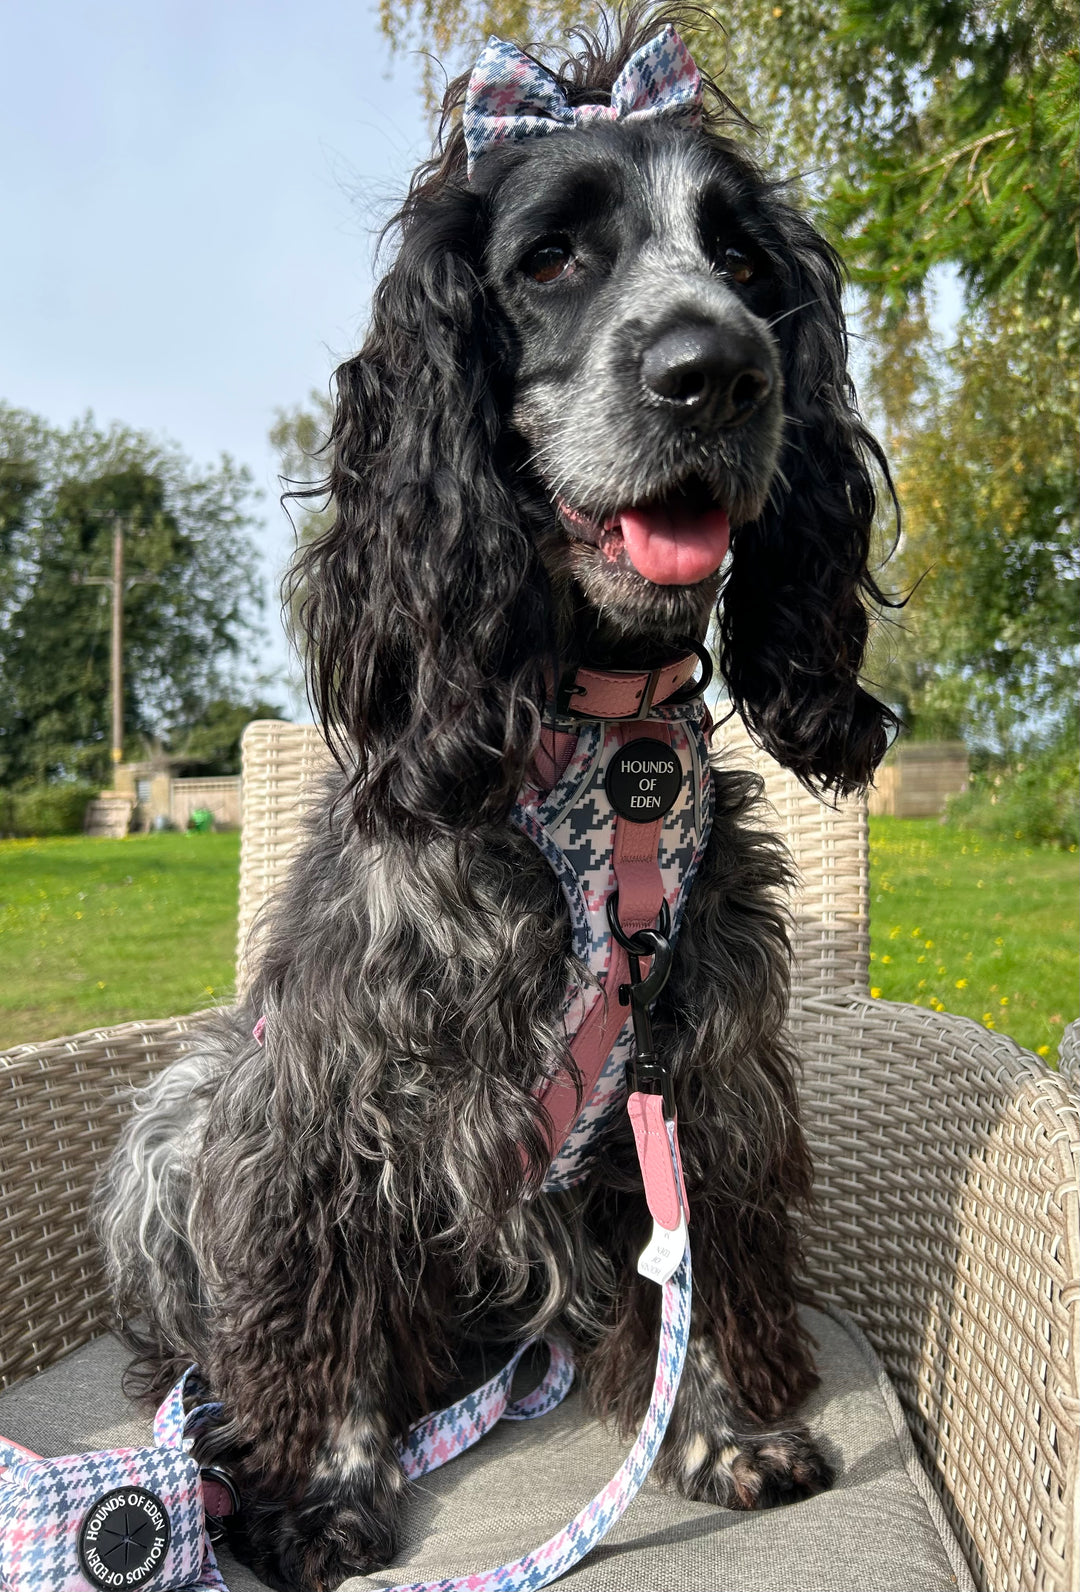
(675, 540)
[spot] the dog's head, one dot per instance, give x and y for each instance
(596, 364)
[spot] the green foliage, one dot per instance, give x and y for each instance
(978, 165)
(45, 809)
(1034, 799)
(211, 746)
(187, 539)
(987, 475)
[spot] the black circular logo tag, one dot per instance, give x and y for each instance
(124, 1538)
(643, 780)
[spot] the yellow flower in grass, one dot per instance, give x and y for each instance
(875, 994)
(1043, 1050)
(886, 958)
(961, 983)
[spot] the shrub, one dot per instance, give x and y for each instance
(1034, 798)
(38, 810)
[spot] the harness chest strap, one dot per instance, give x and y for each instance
(641, 893)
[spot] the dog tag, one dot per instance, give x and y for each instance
(643, 780)
(659, 1260)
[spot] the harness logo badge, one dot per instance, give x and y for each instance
(124, 1539)
(643, 780)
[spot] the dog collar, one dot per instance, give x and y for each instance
(589, 693)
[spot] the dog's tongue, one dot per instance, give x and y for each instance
(671, 546)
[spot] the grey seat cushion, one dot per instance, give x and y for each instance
(880, 1529)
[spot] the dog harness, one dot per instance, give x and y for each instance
(624, 824)
(620, 805)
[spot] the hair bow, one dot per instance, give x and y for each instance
(511, 96)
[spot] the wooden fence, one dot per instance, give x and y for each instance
(219, 796)
(916, 779)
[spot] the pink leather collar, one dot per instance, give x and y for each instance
(624, 693)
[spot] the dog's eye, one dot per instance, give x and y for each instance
(738, 265)
(549, 260)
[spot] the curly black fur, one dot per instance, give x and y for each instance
(324, 1224)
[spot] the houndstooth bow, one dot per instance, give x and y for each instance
(510, 96)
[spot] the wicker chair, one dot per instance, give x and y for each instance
(947, 1184)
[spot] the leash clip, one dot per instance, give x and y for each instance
(649, 1073)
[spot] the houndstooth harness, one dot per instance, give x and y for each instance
(568, 814)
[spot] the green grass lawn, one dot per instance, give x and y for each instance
(94, 932)
(985, 928)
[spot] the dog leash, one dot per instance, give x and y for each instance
(126, 1518)
(665, 1259)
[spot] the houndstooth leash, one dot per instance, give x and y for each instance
(129, 1518)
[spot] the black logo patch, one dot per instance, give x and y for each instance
(124, 1538)
(643, 780)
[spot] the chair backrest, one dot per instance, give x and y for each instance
(283, 762)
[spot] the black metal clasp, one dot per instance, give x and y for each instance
(650, 1075)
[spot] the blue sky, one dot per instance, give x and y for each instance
(191, 194)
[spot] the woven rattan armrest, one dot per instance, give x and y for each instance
(61, 1106)
(947, 1172)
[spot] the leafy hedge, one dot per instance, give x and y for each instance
(1035, 798)
(37, 810)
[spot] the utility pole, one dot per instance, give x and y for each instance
(118, 586)
(117, 660)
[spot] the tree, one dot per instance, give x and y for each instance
(212, 745)
(186, 529)
(989, 479)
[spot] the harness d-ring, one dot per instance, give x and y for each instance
(637, 944)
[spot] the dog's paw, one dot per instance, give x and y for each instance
(755, 1471)
(312, 1548)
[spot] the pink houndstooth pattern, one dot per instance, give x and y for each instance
(511, 96)
(573, 826)
(570, 1545)
(46, 1503)
(442, 1436)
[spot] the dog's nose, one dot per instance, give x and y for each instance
(707, 372)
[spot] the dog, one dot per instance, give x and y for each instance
(603, 398)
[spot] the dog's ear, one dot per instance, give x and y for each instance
(794, 614)
(425, 606)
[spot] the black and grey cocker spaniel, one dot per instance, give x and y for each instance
(596, 359)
